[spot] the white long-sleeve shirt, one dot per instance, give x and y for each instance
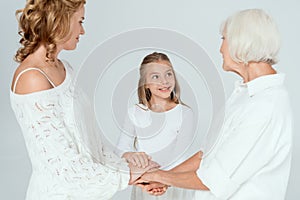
(165, 136)
(252, 157)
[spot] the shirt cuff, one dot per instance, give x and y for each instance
(216, 179)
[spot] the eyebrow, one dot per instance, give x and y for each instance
(154, 73)
(169, 70)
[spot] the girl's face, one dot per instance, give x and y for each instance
(160, 79)
(76, 29)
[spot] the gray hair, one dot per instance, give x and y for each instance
(252, 35)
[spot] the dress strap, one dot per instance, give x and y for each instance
(28, 69)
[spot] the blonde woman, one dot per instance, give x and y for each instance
(42, 97)
(160, 127)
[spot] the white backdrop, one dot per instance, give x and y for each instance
(197, 19)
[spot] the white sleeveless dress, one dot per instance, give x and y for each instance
(64, 166)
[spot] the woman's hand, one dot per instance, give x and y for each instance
(150, 176)
(139, 159)
(136, 172)
(153, 188)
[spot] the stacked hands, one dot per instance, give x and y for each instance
(142, 171)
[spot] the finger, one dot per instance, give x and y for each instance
(154, 190)
(132, 161)
(153, 164)
(158, 191)
(136, 159)
(141, 159)
(144, 160)
(151, 192)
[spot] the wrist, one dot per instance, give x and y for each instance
(160, 176)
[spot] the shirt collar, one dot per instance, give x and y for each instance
(262, 83)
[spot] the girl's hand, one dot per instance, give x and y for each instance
(139, 159)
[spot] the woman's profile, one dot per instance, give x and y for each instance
(42, 95)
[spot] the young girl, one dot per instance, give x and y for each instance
(160, 127)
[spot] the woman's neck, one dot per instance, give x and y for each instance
(256, 69)
(40, 57)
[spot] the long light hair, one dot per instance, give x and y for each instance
(44, 22)
(144, 94)
(252, 35)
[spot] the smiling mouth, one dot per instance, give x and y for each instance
(165, 89)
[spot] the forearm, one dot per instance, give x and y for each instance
(191, 164)
(184, 175)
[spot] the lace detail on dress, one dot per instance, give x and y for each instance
(63, 163)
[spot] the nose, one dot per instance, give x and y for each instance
(82, 31)
(164, 81)
(221, 48)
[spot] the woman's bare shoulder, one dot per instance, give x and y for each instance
(28, 79)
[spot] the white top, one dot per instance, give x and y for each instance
(165, 136)
(252, 157)
(63, 166)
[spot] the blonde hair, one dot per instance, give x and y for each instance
(252, 35)
(144, 94)
(44, 22)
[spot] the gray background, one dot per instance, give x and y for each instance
(197, 19)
